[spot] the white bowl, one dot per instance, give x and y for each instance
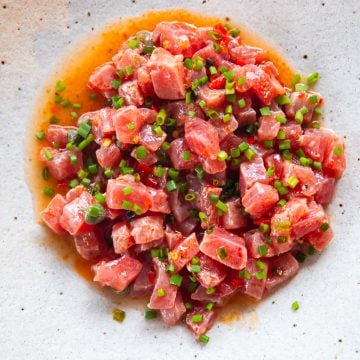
(49, 312)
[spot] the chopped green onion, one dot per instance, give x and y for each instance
(304, 161)
(282, 239)
(195, 260)
(100, 198)
(234, 32)
(212, 114)
(199, 172)
(295, 306)
(285, 144)
(300, 153)
(86, 142)
(317, 165)
(210, 291)
(243, 146)
(126, 205)
(115, 84)
(48, 155)
(293, 181)
(128, 70)
(281, 135)
(141, 152)
(222, 155)
(160, 292)
(324, 227)
(188, 97)
(148, 102)
(262, 249)
(171, 185)
(223, 69)
(53, 120)
(313, 99)
(260, 265)
(250, 154)
(299, 115)
(222, 253)
(202, 103)
(94, 214)
(202, 216)
(84, 129)
(311, 250)
(117, 102)
(337, 150)
(133, 43)
(40, 135)
(241, 81)
(60, 86)
(212, 70)
(173, 173)
(281, 202)
(270, 171)
(195, 268)
(286, 155)
(198, 63)
(296, 79)
(118, 315)
(281, 119)
(190, 197)
(48, 191)
(189, 306)
(269, 144)
(265, 111)
(300, 256)
(213, 198)
(165, 146)
(226, 118)
(312, 78)
(176, 280)
(108, 172)
(45, 173)
(235, 152)
(170, 268)
(318, 111)
(217, 47)
(127, 190)
(159, 171)
(283, 100)
(197, 318)
(301, 87)
(189, 63)
(264, 228)
(86, 182)
(229, 75)
(65, 103)
(150, 314)
(244, 274)
(222, 206)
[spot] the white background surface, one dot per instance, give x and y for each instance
(49, 312)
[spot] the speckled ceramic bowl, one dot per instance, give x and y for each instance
(49, 312)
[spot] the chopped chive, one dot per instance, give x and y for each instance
(189, 306)
(304, 161)
(192, 113)
(222, 253)
(171, 185)
(45, 173)
(285, 144)
(199, 172)
(73, 183)
(65, 103)
(281, 202)
(269, 143)
(195, 268)
(324, 227)
(281, 119)
(212, 114)
(100, 198)
(58, 99)
(76, 105)
(299, 115)
(133, 43)
(301, 87)
(60, 86)
(213, 198)
(176, 280)
(128, 70)
(210, 291)
(270, 171)
(86, 142)
(197, 318)
(84, 129)
(234, 32)
(241, 81)
(48, 191)
(317, 165)
(190, 197)
(300, 153)
(40, 135)
(119, 315)
(312, 78)
(293, 181)
(137, 209)
(141, 152)
(188, 97)
(260, 265)
(165, 146)
(244, 274)
(159, 171)
(281, 135)
(150, 314)
(337, 150)
(170, 268)
(199, 63)
(53, 120)
(262, 249)
(250, 154)
(295, 306)
(243, 146)
(212, 70)
(264, 228)
(217, 47)
(73, 158)
(318, 111)
(173, 173)
(48, 155)
(286, 155)
(283, 100)
(282, 239)
(126, 205)
(222, 206)
(296, 79)
(222, 155)
(313, 99)
(265, 111)
(202, 216)
(202, 103)
(260, 275)
(115, 84)
(189, 63)
(127, 190)
(160, 292)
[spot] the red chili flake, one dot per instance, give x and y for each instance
(217, 83)
(261, 221)
(151, 276)
(153, 107)
(251, 140)
(150, 181)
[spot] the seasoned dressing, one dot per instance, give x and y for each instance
(74, 71)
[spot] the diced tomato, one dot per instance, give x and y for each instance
(147, 229)
(259, 199)
(51, 215)
(139, 194)
(225, 247)
(184, 252)
(167, 301)
(202, 138)
(121, 237)
(118, 273)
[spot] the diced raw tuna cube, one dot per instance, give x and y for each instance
(59, 134)
(179, 110)
(211, 273)
(176, 151)
(118, 273)
(208, 52)
(150, 158)
(311, 222)
(178, 37)
(187, 227)
(144, 81)
(121, 237)
(145, 281)
(167, 75)
(320, 239)
(280, 269)
(255, 286)
(90, 245)
(259, 199)
(117, 199)
(130, 91)
(72, 218)
(60, 166)
(179, 207)
(243, 54)
(128, 121)
(75, 193)
(221, 296)
(184, 252)
(173, 315)
(335, 162)
(315, 142)
(256, 240)
(199, 328)
(173, 238)
(300, 99)
(128, 57)
(207, 207)
(252, 172)
(51, 215)
(105, 121)
(276, 162)
(214, 98)
(293, 131)
(159, 201)
(224, 129)
(225, 247)
(108, 156)
(201, 137)
(325, 188)
(233, 217)
(162, 283)
(149, 139)
(211, 166)
(147, 229)
(101, 80)
(139, 248)
(269, 127)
